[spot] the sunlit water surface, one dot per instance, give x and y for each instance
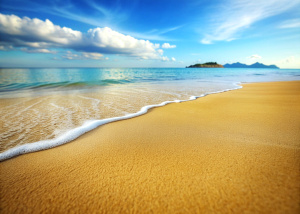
(39, 104)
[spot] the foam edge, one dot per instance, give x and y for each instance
(88, 126)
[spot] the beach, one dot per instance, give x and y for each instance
(231, 152)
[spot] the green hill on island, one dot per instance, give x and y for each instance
(206, 65)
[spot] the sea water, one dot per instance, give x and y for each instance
(46, 107)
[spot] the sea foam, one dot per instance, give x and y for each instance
(88, 126)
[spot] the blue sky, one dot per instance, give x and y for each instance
(148, 33)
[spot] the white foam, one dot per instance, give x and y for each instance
(88, 126)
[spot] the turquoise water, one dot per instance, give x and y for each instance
(58, 78)
(42, 108)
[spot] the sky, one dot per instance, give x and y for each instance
(148, 33)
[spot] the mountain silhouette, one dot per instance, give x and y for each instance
(255, 65)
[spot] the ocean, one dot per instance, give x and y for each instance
(45, 107)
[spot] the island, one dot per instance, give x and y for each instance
(255, 65)
(206, 65)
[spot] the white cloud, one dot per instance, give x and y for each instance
(6, 47)
(292, 23)
(165, 59)
(167, 45)
(105, 40)
(112, 14)
(42, 35)
(233, 16)
(156, 45)
(42, 50)
(84, 55)
(206, 41)
(92, 55)
(254, 56)
(160, 51)
(35, 32)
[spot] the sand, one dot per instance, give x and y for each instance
(23, 118)
(234, 152)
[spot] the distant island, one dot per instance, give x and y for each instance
(206, 65)
(255, 65)
(233, 65)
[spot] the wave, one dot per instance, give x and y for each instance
(88, 126)
(66, 84)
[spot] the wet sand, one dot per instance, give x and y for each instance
(30, 116)
(234, 152)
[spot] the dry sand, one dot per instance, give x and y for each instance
(235, 152)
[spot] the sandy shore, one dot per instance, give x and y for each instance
(235, 152)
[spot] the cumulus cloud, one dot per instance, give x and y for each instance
(35, 32)
(92, 55)
(42, 35)
(165, 59)
(160, 51)
(84, 55)
(234, 16)
(6, 47)
(167, 45)
(105, 40)
(254, 56)
(41, 50)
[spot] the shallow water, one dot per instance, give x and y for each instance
(42, 104)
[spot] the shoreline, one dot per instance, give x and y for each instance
(231, 152)
(88, 126)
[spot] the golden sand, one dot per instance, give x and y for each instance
(235, 152)
(29, 116)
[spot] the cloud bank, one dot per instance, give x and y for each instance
(35, 35)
